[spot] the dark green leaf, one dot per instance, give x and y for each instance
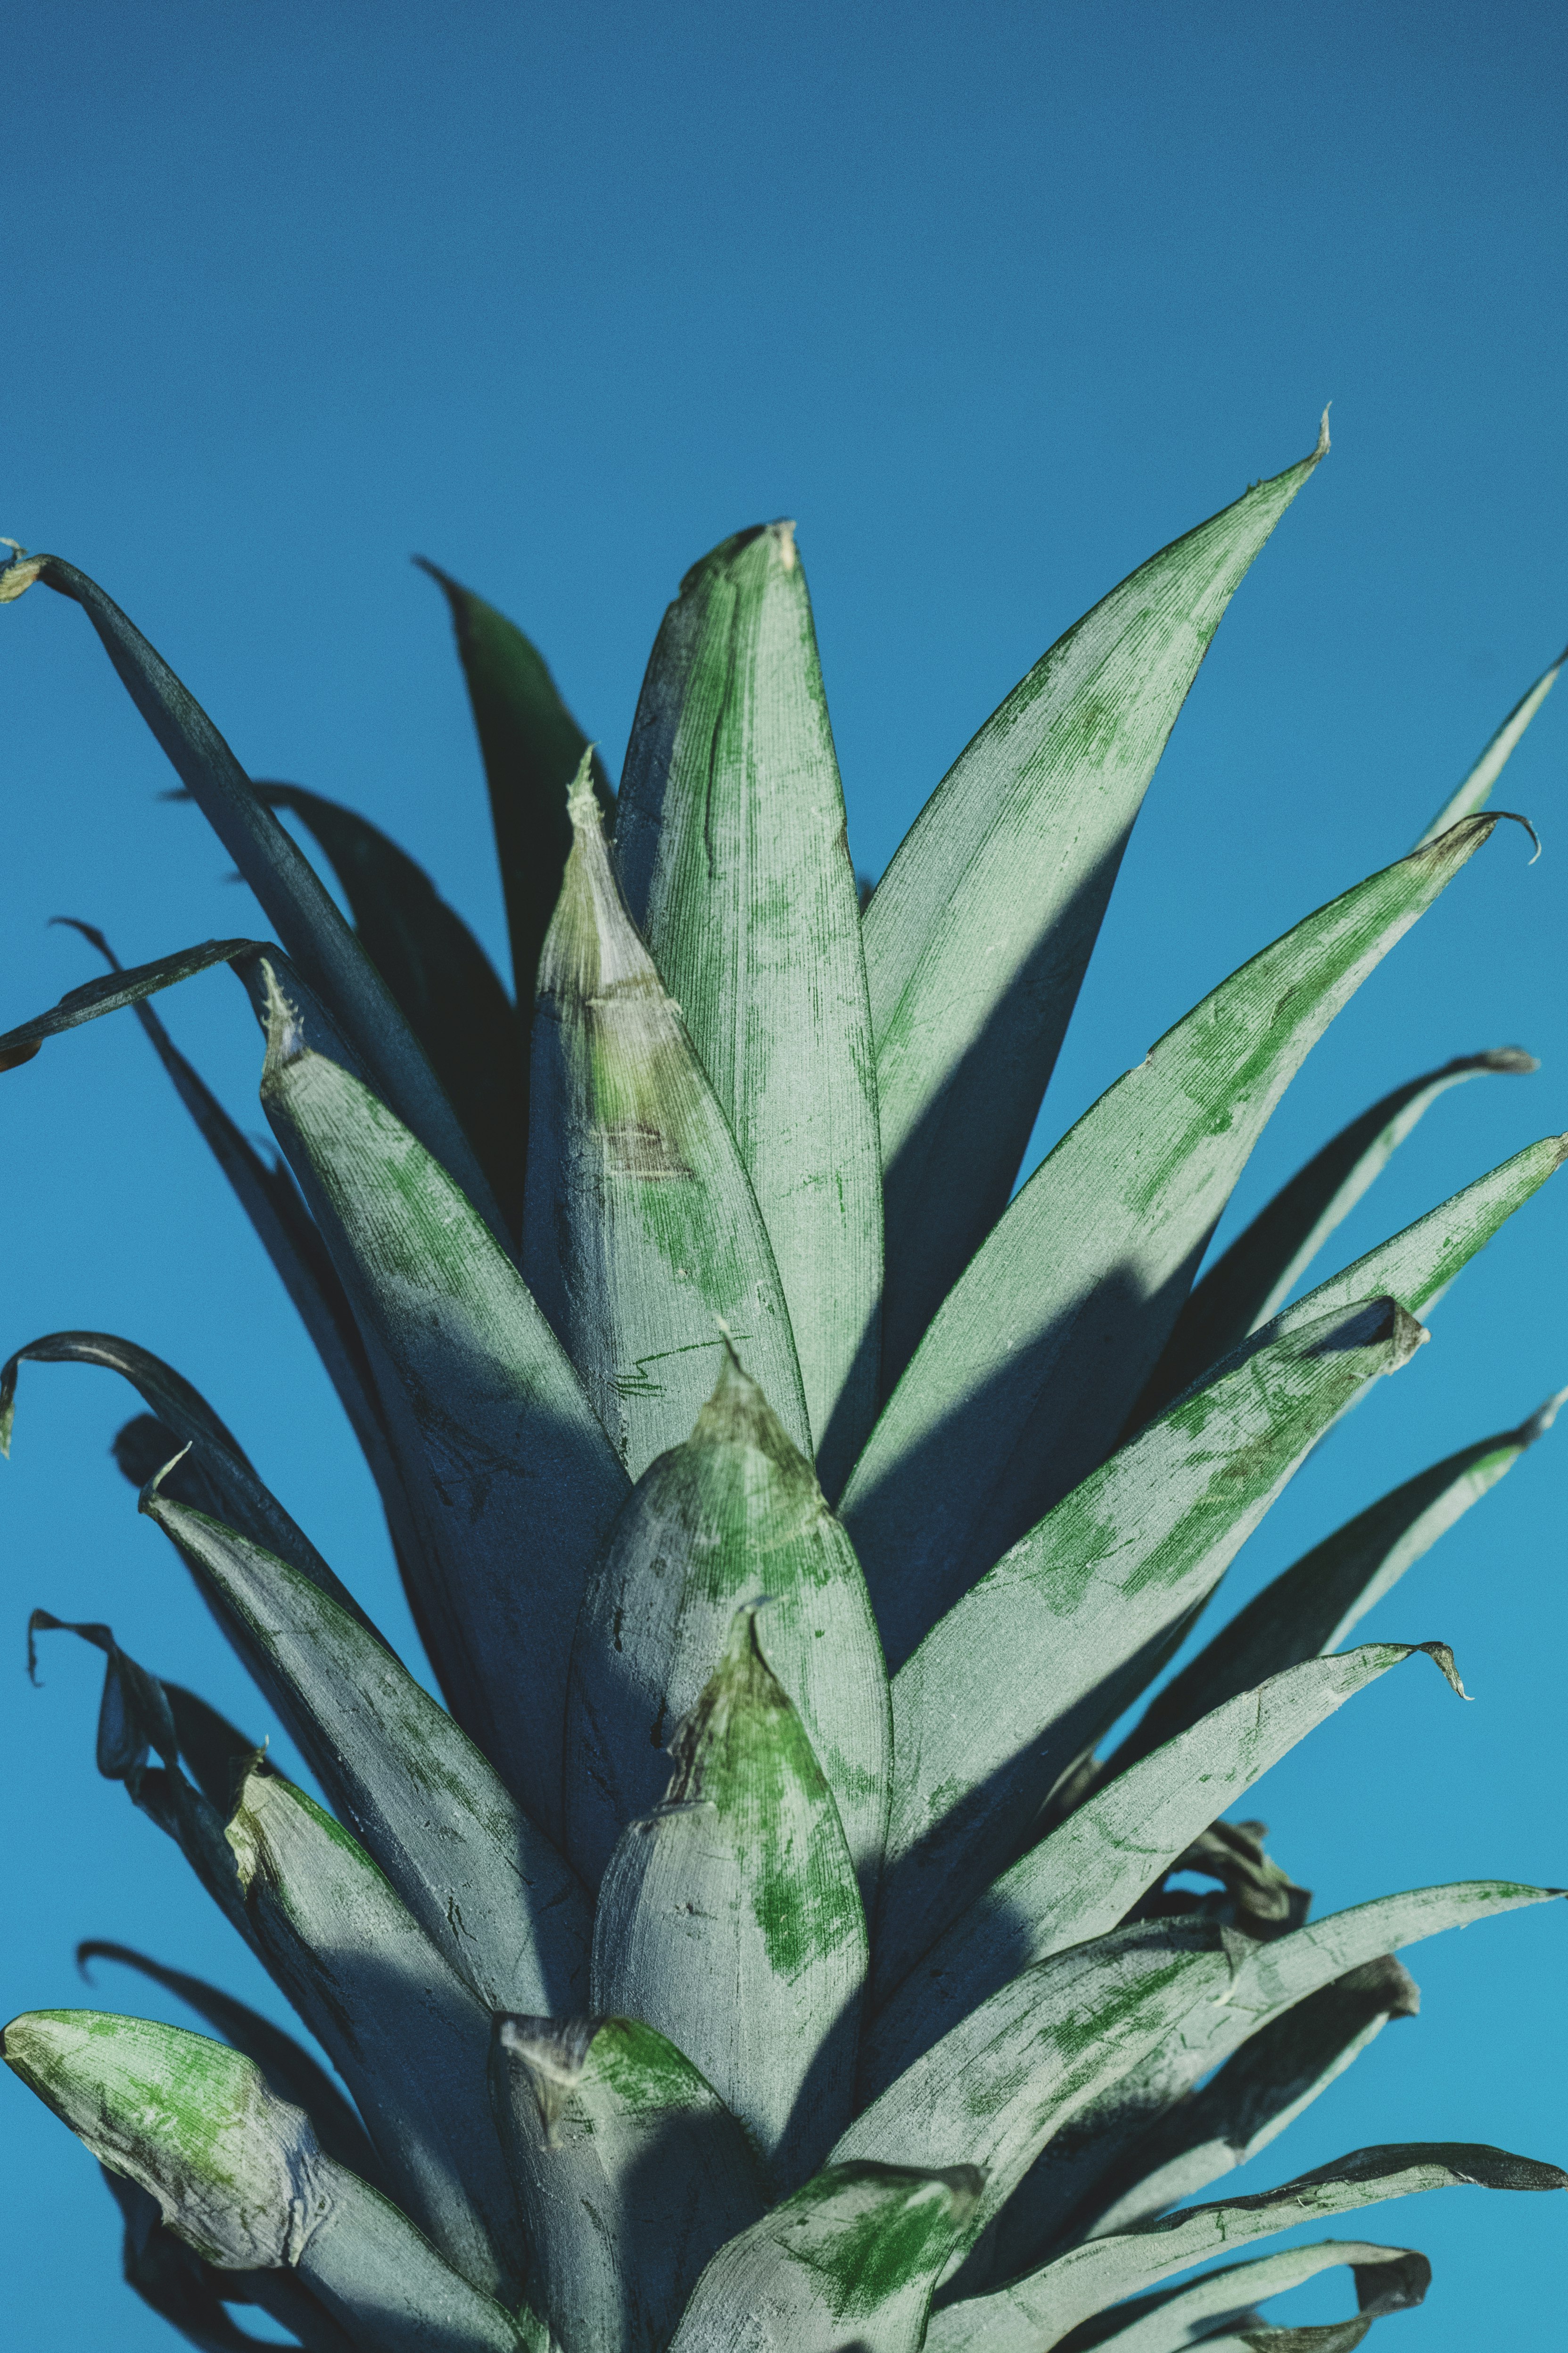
(1031, 1369)
(731, 850)
(442, 979)
(642, 1236)
(848, 2262)
(1313, 1607)
(979, 933)
(1258, 1274)
(630, 2174)
(483, 1880)
(288, 2069)
(734, 1513)
(531, 745)
(729, 1919)
(301, 911)
(113, 991)
(1030, 1667)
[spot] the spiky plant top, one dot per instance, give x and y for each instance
(756, 1951)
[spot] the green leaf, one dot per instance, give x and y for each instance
(1265, 2087)
(531, 746)
(1028, 1669)
(300, 909)
(484, 1883)
(407, 2036)
(241, 2177)
(641, 1232)
(443, 983)
(1029, 1371)
(1387, 2279)
(288, 2069)
(1476, 789)
(1102, 2153)
(1253, 1278)
(113, 991)
(734, 1513)
(1018, 849)
(849, 2261)
(515, 1481)
(729, 1919)
(1314, 1606)
(731, 850)
(1088, 1874)
(1007, 2077)
(271, 1199)
(1037, 2312)
(630, 2174)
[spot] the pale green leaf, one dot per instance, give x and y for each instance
(1088, 1874)
(515, 1481)
(1257, 1275)
(1475, 790)
(630, 2174)
(299, 908)
(729, 1918)
(483, 1880)
(1038, 2311)
(1038, 1355)
(731, 850)
(1005, 2080)
(978, 934)
(848, 2262)
(1387, 2279)
(1314, 1606)
(641, 1232)
(1029, 1667)
(239, 2175)
(734, 1513)
(407, 2036)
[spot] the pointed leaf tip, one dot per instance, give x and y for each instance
(1325, 444)
(1537, 1424)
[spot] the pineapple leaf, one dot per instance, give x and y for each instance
(1036, 2312)
(734, 1511)
(1030, 1667)
(1387, 2279)
(641, 1233)
(512, 1477)
(1313, 1607)
(240, 2175)
(441, 978)
(1474, 792)
(314, 934)
(732, 852)
(1006, 2078)
(1088, 1874)
(1018, 847)
(404, 2032)
(1258, 1274)
(1028, 1373)
(1262, 2088)
(484, 1883)
(531, 746)
(1103, 2152)
(849, 2260)
(283, 1226)
(289, 2071)
(731, 1921)
(191, 2294)
(113, 991)
(630, 2174)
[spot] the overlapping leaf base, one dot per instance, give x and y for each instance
(761, 1950)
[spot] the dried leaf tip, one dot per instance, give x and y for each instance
(784, 541)
(1537, 1424)
(553, 2052)
(20, 572)
(1323, 443)
(285, 1036)
(149, 1497)
(1442, 1658)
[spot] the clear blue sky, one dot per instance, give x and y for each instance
(994, 300)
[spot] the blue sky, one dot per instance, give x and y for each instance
(994, 302)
